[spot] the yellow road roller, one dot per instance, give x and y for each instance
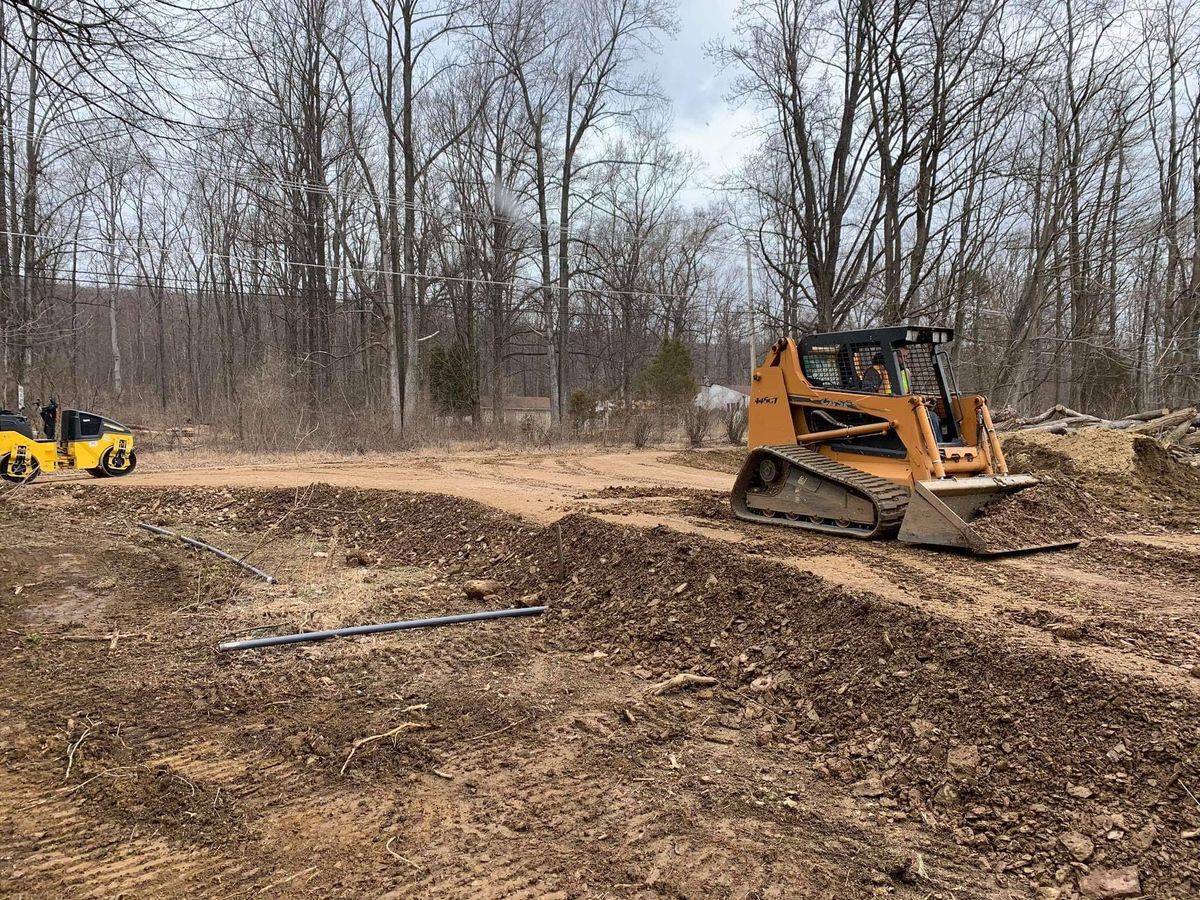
(99, 446)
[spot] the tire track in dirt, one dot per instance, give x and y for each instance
(552, 785)
(52, 845)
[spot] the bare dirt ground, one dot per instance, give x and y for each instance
(538, 486)
(886, 720)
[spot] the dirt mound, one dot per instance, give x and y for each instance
(1104, 458)
(1056, 510)
(725, 460)
(635, 492)
(1004, 748)
(1130, 473)
(396, 527)
(1093, 452)
(1158, 468)
(712, 505)
(692, 502)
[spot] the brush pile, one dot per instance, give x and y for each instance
(1178, 430)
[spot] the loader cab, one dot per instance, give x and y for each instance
(906, 359)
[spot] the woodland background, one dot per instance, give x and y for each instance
(367, 215)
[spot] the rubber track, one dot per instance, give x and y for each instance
(889, 499)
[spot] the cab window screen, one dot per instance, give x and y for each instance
(89, 426)
(838, 366)
(922, 372)
(820, 366)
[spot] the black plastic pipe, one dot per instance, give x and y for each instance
(269, 579)
(381, 628)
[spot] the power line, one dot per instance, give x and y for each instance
(268, 263)
(105, 280)
(482, 215)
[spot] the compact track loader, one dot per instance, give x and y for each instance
(864, 434)
(101, 447)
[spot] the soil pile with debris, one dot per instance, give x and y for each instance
(712, 505)
(389, 526)
(1130, 473)
(693, 502)
(1056, 510)
(1098, 452)
(637, 492)
(723, 460)
(1004, 748)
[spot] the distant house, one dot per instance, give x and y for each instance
(720, 396)
(517, 409)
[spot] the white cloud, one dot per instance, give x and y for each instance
(704, 120)
(721, 142)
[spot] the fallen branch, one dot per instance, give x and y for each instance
(403, 859)
(1147, 415)
(269, 579)
(1178, 433)
(111, 637)
(283, 881)
(680, 681)
(492, 733)
(1074, 421)
(393, 733)
(1183, 785)
(71, 748)
(107, 773)
(1163, 422)
(1067, 413)
(1039, 418)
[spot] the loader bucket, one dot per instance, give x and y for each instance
(940, 512)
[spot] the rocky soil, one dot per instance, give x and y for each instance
(854, 719)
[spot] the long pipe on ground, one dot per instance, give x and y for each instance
(379, 629)
(269, 579)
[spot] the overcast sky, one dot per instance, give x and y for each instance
(704, 121)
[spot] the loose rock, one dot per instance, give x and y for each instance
(923, 728)
(871, 786)
(963, 760)
(1111, 884)
(1143, 839)
(477, 590)
(1079, 846)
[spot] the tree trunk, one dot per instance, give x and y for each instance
(412, 362)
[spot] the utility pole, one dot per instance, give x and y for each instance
(750, 308)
